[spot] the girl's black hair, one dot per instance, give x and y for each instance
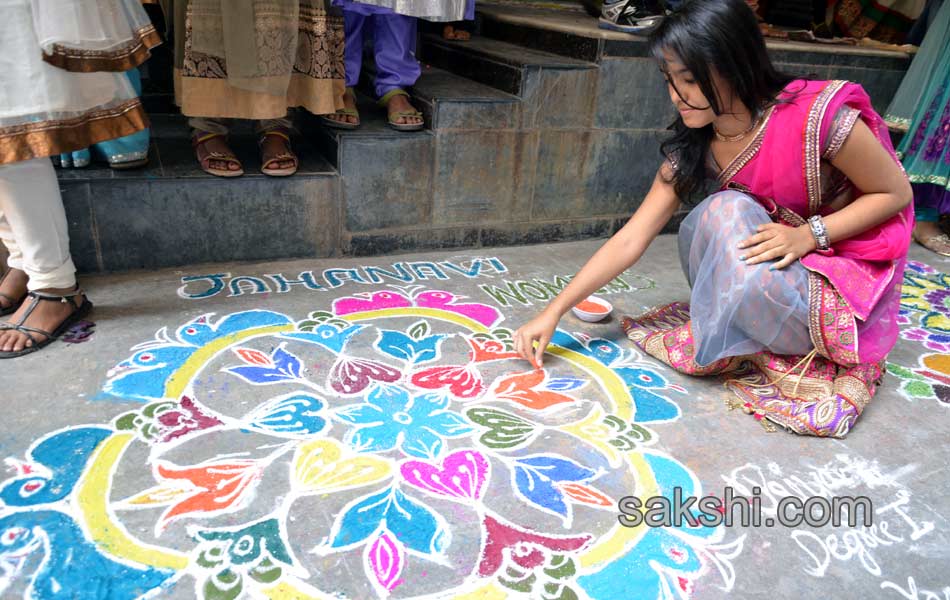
(706, 36)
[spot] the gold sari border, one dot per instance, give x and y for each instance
(126, 57)
(812, 157)
(815, 300)
(216, 99)
(49, 138)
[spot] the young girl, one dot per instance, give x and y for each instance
(796, 262)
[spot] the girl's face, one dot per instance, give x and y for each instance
(686, 95)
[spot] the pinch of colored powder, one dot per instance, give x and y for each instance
(591, 307)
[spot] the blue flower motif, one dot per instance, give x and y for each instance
(390, 417)
(262, 369)
(536, 477)
(409, 349)
(410, 521)
(293, 415)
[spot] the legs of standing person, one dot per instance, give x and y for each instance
(277, 156)
(354, 24)
(130, 151)
(33, 228)
(460, 31)
(13, 283)
(394, 44)
(210, 140)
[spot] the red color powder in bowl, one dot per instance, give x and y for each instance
(592, 307)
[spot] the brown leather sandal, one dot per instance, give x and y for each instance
(205, 156)
(276, 159)
(79, 311)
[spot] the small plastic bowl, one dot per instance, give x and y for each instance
(593, 309)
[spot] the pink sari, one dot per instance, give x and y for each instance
(854, 288)
(863, 269)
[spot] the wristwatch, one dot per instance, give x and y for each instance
(819, 231)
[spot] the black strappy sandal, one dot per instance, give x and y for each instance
(79, 311)
(14, 303)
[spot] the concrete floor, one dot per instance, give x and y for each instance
(381, 449)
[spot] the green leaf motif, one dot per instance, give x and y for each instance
(638, 433)
(560, 567)
(517, 580)
(226, 585)
(143, 421)
(919, 389)
(628, 434)
(558, 591)
(266, 571)
(212, 557)
(505, 430)
(419, 330)
(903, 372)
(623, 443)
(321, 317)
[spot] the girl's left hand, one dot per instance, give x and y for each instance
(776, 241)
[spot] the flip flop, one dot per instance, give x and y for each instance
(79, 311)
(393, 117)
(344, 112)
(205, 156)
(275, 160)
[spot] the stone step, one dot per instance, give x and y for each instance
(502, 65)
(386, 174)
(450, 101)
(171, 213)
(556, 91)
(571, 32)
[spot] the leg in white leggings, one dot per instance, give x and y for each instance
(33, 224)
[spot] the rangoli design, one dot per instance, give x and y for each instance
(925, 319)
(271, 459)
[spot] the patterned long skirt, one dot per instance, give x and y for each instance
(783, 339)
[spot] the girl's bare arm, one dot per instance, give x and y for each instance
(618, 254)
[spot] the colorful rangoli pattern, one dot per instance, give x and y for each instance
(925, 317)
(269, 459)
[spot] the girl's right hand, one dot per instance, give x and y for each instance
(539, 329)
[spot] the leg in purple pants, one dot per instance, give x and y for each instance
(353, 23)
(394, 43)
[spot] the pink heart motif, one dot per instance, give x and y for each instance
(463, 475)
(462, 381)
(353, 375)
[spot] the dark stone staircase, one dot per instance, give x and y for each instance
(542, 128)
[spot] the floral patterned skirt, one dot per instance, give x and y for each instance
(784, 340)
